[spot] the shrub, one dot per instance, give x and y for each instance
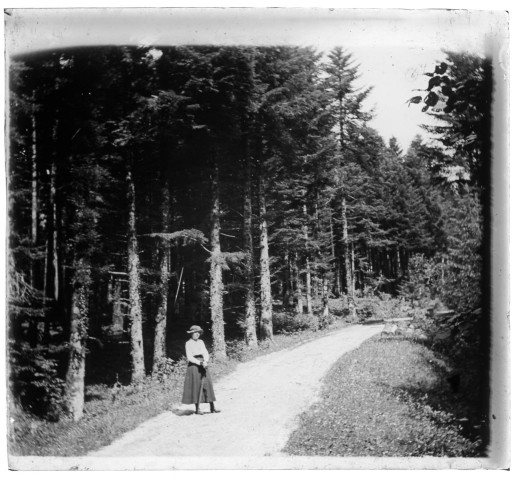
(380, 307)
(35, 380)
(454, 276)
(290, 323)
(165, 368)
(338, 307)
(423, 281)
(461, 287)
(236, 349)
(325, 322)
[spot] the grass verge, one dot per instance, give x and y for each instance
(391, 397)
(106, 418)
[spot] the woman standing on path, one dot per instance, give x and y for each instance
(198, 384)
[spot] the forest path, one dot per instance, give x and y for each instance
(259, 402)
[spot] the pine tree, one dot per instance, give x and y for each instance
(348, 116)
(216, 280)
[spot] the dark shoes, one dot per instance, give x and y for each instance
(213, 410)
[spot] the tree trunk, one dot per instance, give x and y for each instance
(216, 277)
(45, 276)
(324, 300)
(347, 265)
(250, 332)
(33, 331)
(298, 286)
(135, 310)
(308, 285)
(337, 274)
(159, 346)
(34, 197)
(347, 261)
(54, 220)
(399, 272)
(117, 312)
(266, 323)
(389, 265)
(317, 282)
(352, 252)
(52, 259)
(75, 375)
(287, 284)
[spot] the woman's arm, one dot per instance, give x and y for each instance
(205, 353)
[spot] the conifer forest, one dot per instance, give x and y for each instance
(234, 188)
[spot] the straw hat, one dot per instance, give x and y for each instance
(195, 328)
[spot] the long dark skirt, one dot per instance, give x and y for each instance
(193, 383)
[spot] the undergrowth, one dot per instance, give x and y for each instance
(391, 397)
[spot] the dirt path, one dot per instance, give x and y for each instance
(259, 403)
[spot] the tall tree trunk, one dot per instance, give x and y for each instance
(324, 281)
(33, 331)
(298, 286)
(159, 346)
(321, 253)
(250, 332)
(308, 283)
(135, 310)
(347, 261)
(337, 274)
(216, 277)
(399, 272)
(52, 258)
(389, 265)
(53, 214)
(265, 277)
(288, 282)
(347, 264)
(45, 276)
(324, 300)
(74, 395)
(34, 196)
(352, 254)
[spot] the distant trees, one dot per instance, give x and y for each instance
(459, 96)
(153, 188)
(349, 117)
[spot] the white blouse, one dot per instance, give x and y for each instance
(196, 347)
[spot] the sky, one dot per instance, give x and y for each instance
(393, 47)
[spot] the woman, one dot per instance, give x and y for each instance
(198, 384)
